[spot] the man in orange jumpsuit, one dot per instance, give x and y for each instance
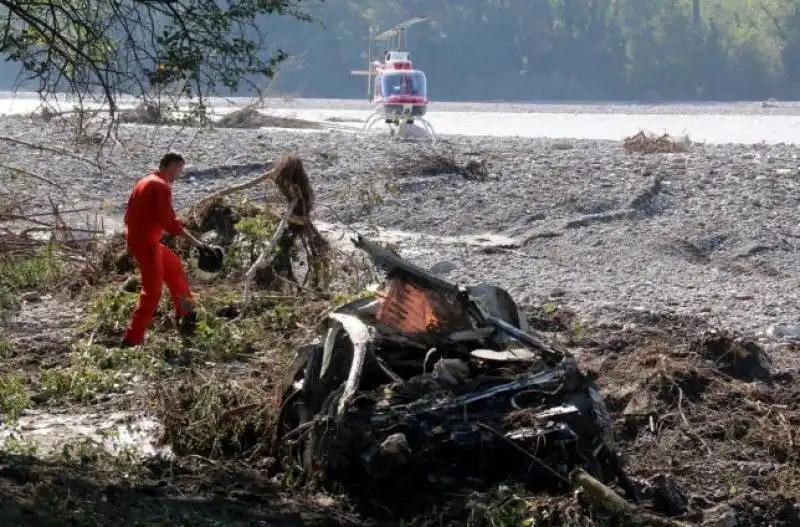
(148, 216)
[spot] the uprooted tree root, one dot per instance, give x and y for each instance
(435, 163)
(220, 217)
(146, 112)
(643, 143)
(154, 112)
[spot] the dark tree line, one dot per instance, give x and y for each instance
(563, 49)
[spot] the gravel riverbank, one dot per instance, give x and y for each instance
(713, 232)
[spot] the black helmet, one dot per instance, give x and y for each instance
(210, 258)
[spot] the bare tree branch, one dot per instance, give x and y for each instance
(101, 51)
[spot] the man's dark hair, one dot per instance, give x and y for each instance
(170, 158)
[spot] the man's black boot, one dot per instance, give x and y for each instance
(187, 324)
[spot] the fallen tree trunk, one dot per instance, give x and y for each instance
(609, 500)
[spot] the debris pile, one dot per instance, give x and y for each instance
(433, 385)
(250, 117)
(435, 163)
(643, 143)
(147, 112)
(26, 225)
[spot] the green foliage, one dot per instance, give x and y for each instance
(6, 349)
(14, 396)
(554, 49)
(110, 312)
(502, 507)
(16, 445)
(219, 338)
(20, 273)
(96, 369)
(254, 231)
(342, 299)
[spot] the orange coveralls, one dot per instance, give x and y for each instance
(148, 216)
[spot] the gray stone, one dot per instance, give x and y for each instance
(720, 516)
(395, 450)
(31, 297)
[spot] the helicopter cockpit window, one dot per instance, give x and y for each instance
(403, 83)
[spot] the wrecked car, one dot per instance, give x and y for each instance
(435, 384)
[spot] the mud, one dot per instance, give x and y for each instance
(114, 432)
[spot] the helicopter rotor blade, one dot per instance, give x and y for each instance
(389, 33)
(386, 35)
(410, 22)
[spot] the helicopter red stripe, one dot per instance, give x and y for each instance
(405, 99)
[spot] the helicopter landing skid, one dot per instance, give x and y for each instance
(408, 130)
(428, 127)
(376, 117)
(372, 120)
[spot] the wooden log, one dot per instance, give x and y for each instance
(612, 502)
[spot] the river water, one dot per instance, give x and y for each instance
(706, 122)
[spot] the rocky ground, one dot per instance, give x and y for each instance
(645, 250)
(712, 232)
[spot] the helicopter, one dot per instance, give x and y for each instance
(399, 92)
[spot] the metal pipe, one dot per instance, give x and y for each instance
(369, 65)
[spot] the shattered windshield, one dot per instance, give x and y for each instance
(403, 83)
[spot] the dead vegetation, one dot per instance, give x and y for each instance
(704, 406)
(153, 113)
(218, 416)
(41, 241)
(26, 225)
(252, 117)
(438, 163)
(644, 143)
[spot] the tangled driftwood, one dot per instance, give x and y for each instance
(294, 236)
(26, 226)
(436, 163)
(251, 117)
(643, 143)
(295, 227)
(613, 502)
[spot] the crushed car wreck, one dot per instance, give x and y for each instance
(433, 384)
